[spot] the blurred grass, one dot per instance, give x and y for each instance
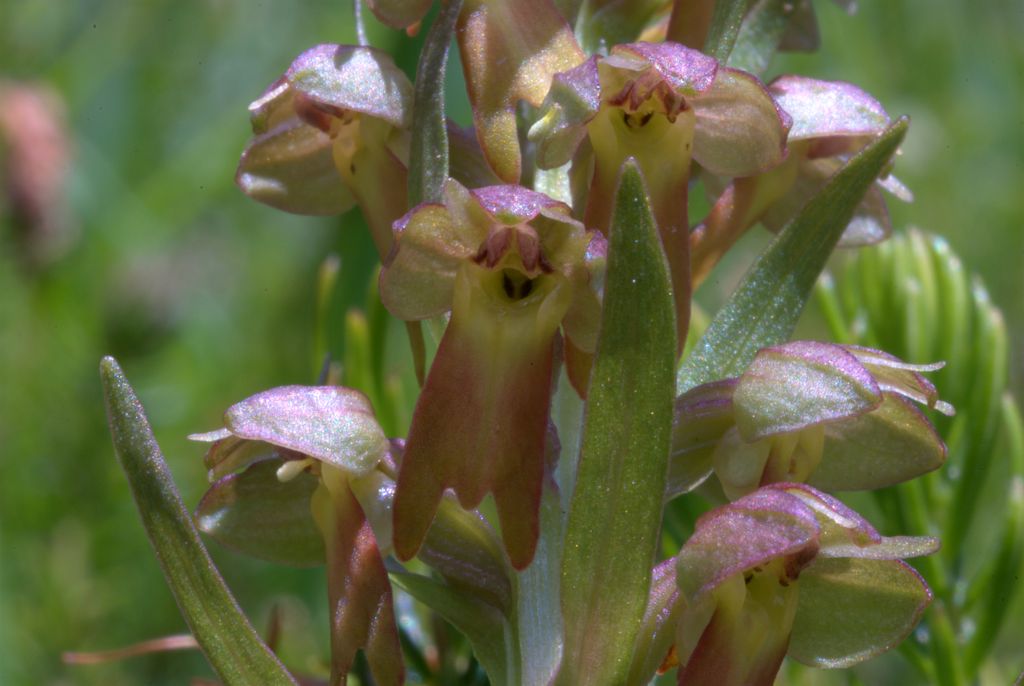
(206, 297)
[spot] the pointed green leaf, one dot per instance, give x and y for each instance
(428, 152)
(765, 307)
(1001, 582)
(625, 449)
(224, 633)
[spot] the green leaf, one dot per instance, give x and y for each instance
(224, 633)
(760, 34)
(725, 27)
(615, 513)
(428, 152)
(766, 306)
(481, 623)
(1001, 582)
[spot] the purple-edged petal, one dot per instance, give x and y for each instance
(657, 633)
(229, 453)
(329, 423)
(572, 101)
(432, 241)
(827, 108)
(336, 78)
(887, 446)
(399, 14)
(291, 167)
(255, 513)
(870, 223)
(799, 384)
(854, 609)
(897, 376)
(844, 533)
(740, 130)
(702, 416)
(757, 528)
(686, 71)
(510, 52)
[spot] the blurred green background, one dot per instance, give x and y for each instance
(149, 252)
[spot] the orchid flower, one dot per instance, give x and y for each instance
(331, 134)
(663, 104)
(324, 445)
(513, 267)
(831, 121)
(836, 417)
(788, 570)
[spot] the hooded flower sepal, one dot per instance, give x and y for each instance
(303, 448)
(790, 570)
(510, 52)
(832, 120)
(660, 103)
(331, 133)
(512, 266)
(836, 417)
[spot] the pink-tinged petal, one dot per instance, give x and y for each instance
(291, 167)
(827, 108)
(684, 70)
(702, 417)
(854, 609)
(255, 513)
(399, 14)
(800, 384)
(897, 376)
(337, 78)
(870, 223)
(657, 633)
(510, 52)
(510, 205)
(480, 423)
(844, 533)
(362, 614)
(432, 241)
(229, 453)
(752, 531)
(740, 130)
(573, 100)
(887, 446)
(333, 424)
(840, 522)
